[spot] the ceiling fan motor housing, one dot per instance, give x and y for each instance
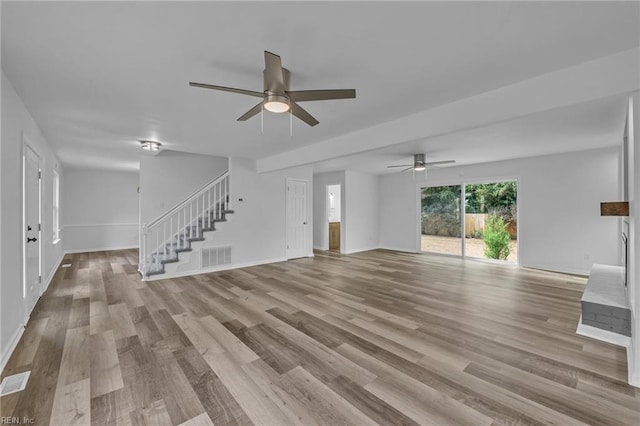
(286, 77)
(418, 160)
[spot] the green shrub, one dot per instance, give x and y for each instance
(496, 238)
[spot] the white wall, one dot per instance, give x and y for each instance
(634, 241)
(17, 120)
(256, 231)
(320, 217)
(334, 195)
(560, 227)
(169, 177)
(99, 210)
(361, 212)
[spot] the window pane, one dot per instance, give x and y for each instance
(491, 228)
(441, 220)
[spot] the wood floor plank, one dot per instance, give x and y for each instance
(201, 420)
(72, 404)
(326, 399)
(30, 341)
(254, 402)
(374, 337)
(219, 404)
(75, 363)
(122, 323)
(104, 364)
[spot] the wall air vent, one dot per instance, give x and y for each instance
(214, 256)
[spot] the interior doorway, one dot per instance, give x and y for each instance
(334, 216)
(31, 206)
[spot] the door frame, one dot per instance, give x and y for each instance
(286, 216)
(26, 144)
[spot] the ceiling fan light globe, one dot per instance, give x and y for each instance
(276, 103)
(152, 146)
(419, 168)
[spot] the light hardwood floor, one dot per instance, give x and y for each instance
(376, 337)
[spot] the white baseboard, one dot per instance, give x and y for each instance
(571, 271)
(360, 250)
(90, 250)
(12, 346)
(214, 269)
(400, 249)
(53, 272)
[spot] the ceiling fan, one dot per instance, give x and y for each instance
(419, 164)
(277, 97)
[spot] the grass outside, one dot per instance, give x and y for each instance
(452, 245)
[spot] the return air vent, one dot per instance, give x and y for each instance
(214, 256)
(15, 383)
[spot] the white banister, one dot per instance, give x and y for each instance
(164, 237)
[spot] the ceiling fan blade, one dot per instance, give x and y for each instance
(400, 165)
(302, 114)
(227, 89)
(253, 111)
(433, 163)
(273, 76)
(321, 95)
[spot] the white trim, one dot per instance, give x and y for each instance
(582, 272)
(11, 347)
(216, 269)
(90, 225)
(47, 282)
(359, 250)
(89, 250)
(603, 335)
(400, 249)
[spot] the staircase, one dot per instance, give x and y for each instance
(164, 238)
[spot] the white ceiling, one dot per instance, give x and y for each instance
(97, 77)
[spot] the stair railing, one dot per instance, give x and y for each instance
(164, 237)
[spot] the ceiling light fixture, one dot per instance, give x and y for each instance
(152, 146)
(276, 103)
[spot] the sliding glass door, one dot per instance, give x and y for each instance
(441, 231)
(485, 213)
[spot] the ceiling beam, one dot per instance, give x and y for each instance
(607, 76)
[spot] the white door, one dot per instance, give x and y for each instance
(31, 214)
(296, 218)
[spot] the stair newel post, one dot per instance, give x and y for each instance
(209, 208)
(164, 238)
(171, 236)
(191, 219)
